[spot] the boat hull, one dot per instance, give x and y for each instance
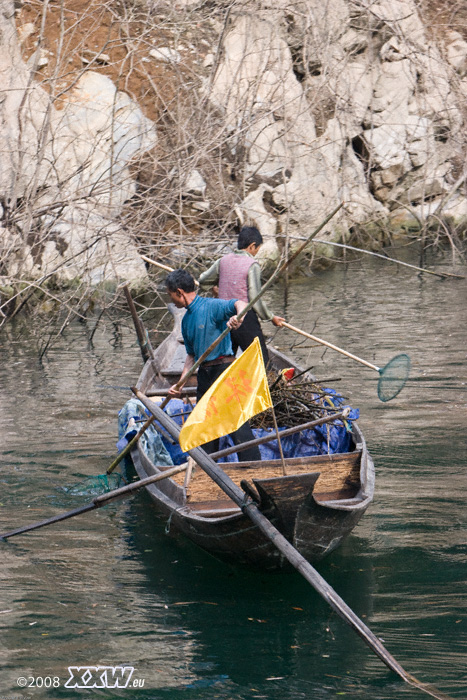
(314, 529)
(315, 505)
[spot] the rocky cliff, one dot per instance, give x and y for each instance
(150, 127)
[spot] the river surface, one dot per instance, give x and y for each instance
(114, 588)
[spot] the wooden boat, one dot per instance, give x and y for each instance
(315, 505)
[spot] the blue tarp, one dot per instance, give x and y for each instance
(162, 449)
(130, 420)
(324, 439)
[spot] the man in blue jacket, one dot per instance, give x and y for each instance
(204, 321)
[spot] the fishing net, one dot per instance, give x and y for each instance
(393, 377)
(95, 485)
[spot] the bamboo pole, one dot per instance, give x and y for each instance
(143, 339)
(389, 385)
(388, 259)
(126, 450)
(161, 265)
(250, 508)
(157, 264)
(331, 346)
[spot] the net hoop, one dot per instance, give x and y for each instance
(393, 377)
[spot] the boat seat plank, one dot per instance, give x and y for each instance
(214, 508)
(336, 459)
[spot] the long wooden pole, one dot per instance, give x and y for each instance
(330, 345)
(143, 339)
(388, 259)
(161, 265)
(97, 502)
(157, 264)
(249, 507)
(389, 384)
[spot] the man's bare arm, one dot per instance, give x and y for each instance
(234, 322)
(174, 391)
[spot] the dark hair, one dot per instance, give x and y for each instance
(248, 235)
(180, 279)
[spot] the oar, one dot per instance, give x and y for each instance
(249, 507)
(251, 303)
(393, 376)
(97, 502)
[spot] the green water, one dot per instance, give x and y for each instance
(114, 588)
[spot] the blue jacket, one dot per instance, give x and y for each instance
(205, 319)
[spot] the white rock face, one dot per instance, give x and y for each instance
(195, 184)
(262, 100)
(322, 101)
(71, 165)
(456, 53)
(388, 108)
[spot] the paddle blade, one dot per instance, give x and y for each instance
(393, 377)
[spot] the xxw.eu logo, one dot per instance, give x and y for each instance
(101, 677)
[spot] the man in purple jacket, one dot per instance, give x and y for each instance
(238, 276)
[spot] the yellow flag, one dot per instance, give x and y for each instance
(239, 393)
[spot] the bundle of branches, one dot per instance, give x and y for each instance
(295, 401)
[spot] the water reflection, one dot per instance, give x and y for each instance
(267, 624)
(111, 587)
